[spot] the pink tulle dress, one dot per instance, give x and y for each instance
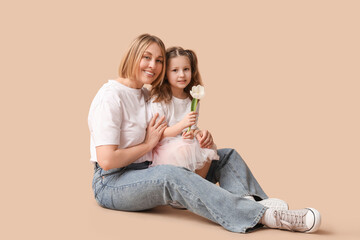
(176, 150)
(183, 153)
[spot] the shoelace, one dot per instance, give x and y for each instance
(290, 219)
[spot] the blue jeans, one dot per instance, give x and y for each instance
(130, 189)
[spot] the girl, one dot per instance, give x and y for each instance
(171, 98)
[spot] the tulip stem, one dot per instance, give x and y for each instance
(194, 103)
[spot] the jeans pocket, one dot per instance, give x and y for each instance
(111, 179)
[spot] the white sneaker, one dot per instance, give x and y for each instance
(305, 220)
(274, 203)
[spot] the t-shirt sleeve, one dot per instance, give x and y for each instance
(105, 120)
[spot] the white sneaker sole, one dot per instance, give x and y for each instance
(317, 221)
(274, 203)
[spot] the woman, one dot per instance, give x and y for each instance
(121, 139)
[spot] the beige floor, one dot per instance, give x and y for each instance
(70, 212)
(165, 223)
(339, 222)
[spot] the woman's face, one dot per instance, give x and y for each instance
(150, 65)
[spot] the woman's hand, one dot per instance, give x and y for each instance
(189, 119)
(110, 156)
(154, 131)
(205, 139)
(188, 135)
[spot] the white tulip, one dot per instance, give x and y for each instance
(197, 92)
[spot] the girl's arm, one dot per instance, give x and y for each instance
(188, 120)
(109, 156)
(189, 134)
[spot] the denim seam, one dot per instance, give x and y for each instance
(220, 165)
(98, 180)
(132, 184)
(256, 220)
(237, 176)
(112, 201)
(232, 169)
(214, 214)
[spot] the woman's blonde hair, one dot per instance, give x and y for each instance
(130, 62)
(161, 90)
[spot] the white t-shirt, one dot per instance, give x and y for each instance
(174, 111)
(118, 116)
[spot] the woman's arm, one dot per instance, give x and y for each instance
(109, 156)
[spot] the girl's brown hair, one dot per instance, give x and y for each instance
(161, 90)
(131, 61)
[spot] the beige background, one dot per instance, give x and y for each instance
(282, 84)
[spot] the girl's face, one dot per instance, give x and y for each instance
(150, 65)
(179, 72)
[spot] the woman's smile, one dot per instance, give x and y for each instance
(150, 73)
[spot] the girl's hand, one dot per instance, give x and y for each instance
(205, 139)
(189, 119)
(188, 135)
(154, 131)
